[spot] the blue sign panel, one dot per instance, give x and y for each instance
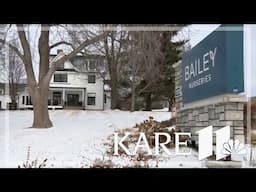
(214, 66)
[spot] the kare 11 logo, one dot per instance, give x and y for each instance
(225, 146)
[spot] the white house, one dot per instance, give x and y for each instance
(4, 99)
(78, 84)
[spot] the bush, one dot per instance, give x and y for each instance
(34, 163)
(151, 126)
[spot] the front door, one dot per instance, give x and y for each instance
(72, 100)
(56, 98)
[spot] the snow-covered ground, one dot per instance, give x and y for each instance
(75, 134)
(76, 139)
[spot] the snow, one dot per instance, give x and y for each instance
(75, 134)
(107, 87)
(168, 161)
(164, 109)
(77, 139)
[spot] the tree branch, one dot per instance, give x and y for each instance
(83, 45)
(27, 55)
(144, 88)
(61, 43)
(44, 51)
(13, 48)
(55, 64)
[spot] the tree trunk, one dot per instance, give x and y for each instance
(114, 95)
(170, 106)
(171, 103)
(148, 101)
(133, 103)
(13, 95)
(133, 98)
(13, 104)
(40, 105)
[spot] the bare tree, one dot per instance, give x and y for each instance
(16, 76)
(136, 58)
(151, 55)
(39, 89)
(142, 62)
(112, 48)
(13, 73)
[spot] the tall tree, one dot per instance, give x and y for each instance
(163, 84)
(112, 47)
(39, 89)
(143, 55)
(12, 72)
(111, 55)
(172, 52)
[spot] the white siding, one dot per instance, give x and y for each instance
(20, 104)
(96, 88)
(80, 80)
(107, 105)
(4, 100)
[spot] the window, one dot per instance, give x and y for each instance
(91, 78)
(1, 91)
(56, 98)
(85, 65)
(92, 65)
(23, 99)
(28, 100)
(61, 77)
(91, 97)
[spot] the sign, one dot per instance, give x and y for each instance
(214, 66)
(224, 145)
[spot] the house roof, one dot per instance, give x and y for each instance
(88, 56)
(77, 63)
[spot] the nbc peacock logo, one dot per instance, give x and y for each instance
(225, 146)
(233, 147)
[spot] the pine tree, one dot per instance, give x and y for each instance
(164, 87)
(172, 52)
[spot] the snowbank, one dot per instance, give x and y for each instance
(75, 138)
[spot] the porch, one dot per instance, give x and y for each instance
(68, 98)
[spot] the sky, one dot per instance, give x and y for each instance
(194, 33)
(197, 32)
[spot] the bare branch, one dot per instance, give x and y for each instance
(61, 43)
(144, 88)
(72, 54)
(24, 43)
(27, 60)
(84, 44)
(13, 48)
(79, 48)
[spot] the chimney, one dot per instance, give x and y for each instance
(59, 50)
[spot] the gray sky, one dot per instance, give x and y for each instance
(198, 32)
(195, 33)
